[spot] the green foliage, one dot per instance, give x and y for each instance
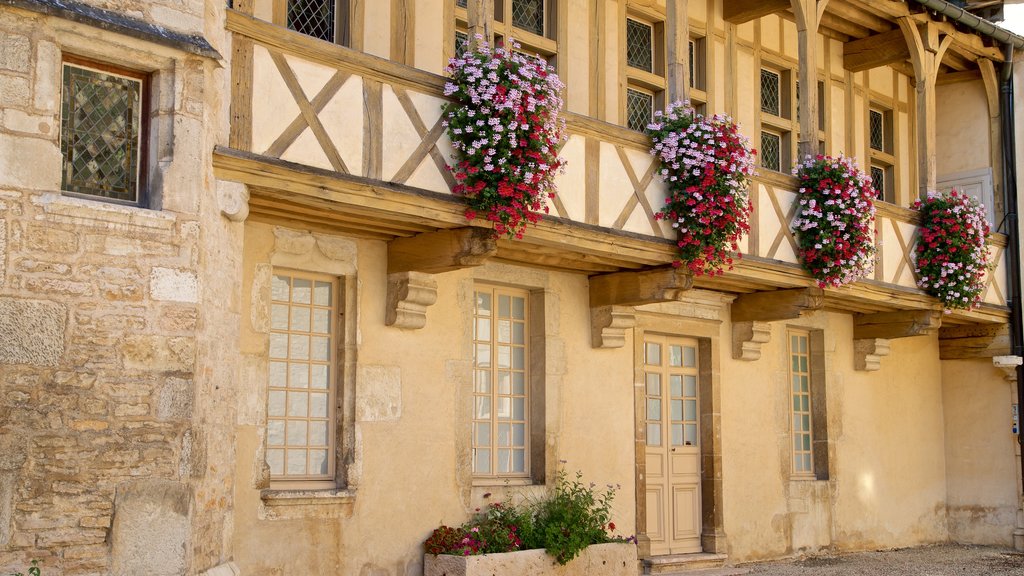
(33, 570)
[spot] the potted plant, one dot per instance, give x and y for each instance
(952, 249)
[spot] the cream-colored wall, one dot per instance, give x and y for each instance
(424, 433)
(981, 465)
(963, 108)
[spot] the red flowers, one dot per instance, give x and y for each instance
(951, 250)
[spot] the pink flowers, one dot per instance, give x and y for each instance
(951, 250)
(504, 123)
(707, 165)
(833, 225)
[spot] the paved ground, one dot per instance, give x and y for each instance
(928, 561)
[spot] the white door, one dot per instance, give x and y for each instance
(672, 453)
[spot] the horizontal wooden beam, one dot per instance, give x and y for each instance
(740, 11)
(974, 341)
(889, 325)
(874, 51)
(638, 288)
(441, 251)
(776, 305)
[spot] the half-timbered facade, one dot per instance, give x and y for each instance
(266, 301)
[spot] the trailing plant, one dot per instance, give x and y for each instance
(833, 226)
(33, 570)
(571, 518)
(952, 250)
(504, 125)
(706, 165)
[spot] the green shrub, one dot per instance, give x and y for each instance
(33, 570)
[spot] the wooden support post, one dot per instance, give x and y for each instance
(889, 325)
(776, 304)
(808, 16)
(481, 21)
(678, 48)
(926, 51)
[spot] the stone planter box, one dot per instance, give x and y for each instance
(615, 559)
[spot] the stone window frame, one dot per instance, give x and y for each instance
(818, 404)
(313, 259)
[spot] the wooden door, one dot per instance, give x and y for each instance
(672, 453)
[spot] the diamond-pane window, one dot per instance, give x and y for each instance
(639, 45)
(101, 133)
(460, 3)
(461, 42)
(639, 109)
(877, 130)
(693, 70)
(771, 92)
(312, 17)
(878, 180)
(528, 15)
(771, 151)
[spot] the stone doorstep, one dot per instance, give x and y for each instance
(683, 563)
(709, 572)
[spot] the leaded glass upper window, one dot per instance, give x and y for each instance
(639, 109)
(771, 92)
(639, 45)
(313, 18)
(461, 41)
(460, 3)
(528, 15)
(878, 181)
(771, 151)
(101, 133)
(877, 130)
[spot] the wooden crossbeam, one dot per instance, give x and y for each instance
(974, 341)
(776, 304)
(740, 11)
(441, 251)
(638, 288)
(889, 325)
(874, 51)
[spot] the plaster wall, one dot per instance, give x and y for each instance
(963, 108)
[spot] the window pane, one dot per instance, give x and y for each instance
(677, 435)
(771, 92)
(518, 461)
(481, 382)
(278, 374)
(675, 355)
(318, 405)
(275, 459)
(640, 45)
(677, 410)
(483, 434)
(278, 345)
(275, 431)
(518, 383)
(877, 130)
(505, 331)
(518, 308)
(676, 385)
(654, 384)
(690, 434)
(318, 461)
(296, 432)
(518, 408)
(482, 461)
(654, 409)
(689, 357)
(528, 15)
(322, 293)
(653, 353)
(483, 329)
(653, 434)
(518, 358)
(504, 306)
(300, 319)
(504, 460)
(503, 407)
(483, 304)
(519, 333)
(771, 151)
(279, 288)
(298, 376)
(279, 317)
(690, 414)
(296, 462)
(101, 116)
(320, 376)
(483, 408)
(689, 386)
(298, 404)
(321, 348)
(312, 17)
(639, 109)
(504, 435)
(318, 434)
(878, 180)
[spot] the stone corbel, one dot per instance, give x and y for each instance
(1008, 364)
(409, 295)
(868, 353)
(747, 339)
(608, 325)
(233, 200)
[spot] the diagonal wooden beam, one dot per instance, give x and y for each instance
(889, 325)
(874, 51)
(740, 11)
(428, 138)
(974, 341)
(638, 288)
(776, 304)
(298, 125)
(441, 251)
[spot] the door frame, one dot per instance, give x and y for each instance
(707, 333)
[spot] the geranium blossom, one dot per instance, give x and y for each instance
(951, 249)
(833, 224)
(707, 165)
(504, 124)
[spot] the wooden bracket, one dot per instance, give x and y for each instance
(608, 325)
(409, 295)
(776, 304)
(974, 341)
(747, 339)
(876, 50)
(868, 353)
(441, 251)
(740, 11)
(891, 325)
(639, 288)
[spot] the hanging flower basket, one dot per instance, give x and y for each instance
(707, 165)
(952, 250)
(833, 226)
(505, 127)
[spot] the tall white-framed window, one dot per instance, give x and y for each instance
(802, 431)
(501, 384)
(303, 378)
(644, 55)
(778, 118)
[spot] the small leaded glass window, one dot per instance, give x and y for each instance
(693, 70)
(314, 18)
(639, 45)
(300, 413)
(529, 15)
(877, 130)
(461, 41)
(102, 132)
(771, 92)
(771, 151)
(639, 109)
(460, 3)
